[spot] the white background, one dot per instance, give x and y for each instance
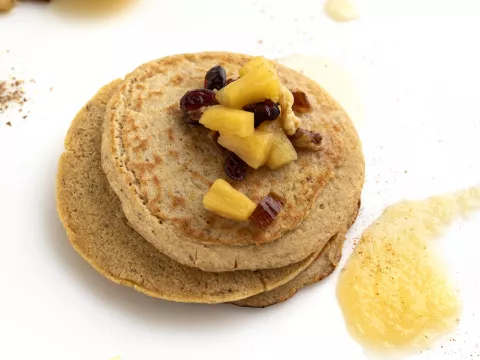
(416, 66)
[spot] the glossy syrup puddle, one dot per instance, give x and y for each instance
(341, 10)
(333, 78)
(394, 291)
(92, 7)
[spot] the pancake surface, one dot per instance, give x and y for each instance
(160, 169)
(99, 231)
(325, 263)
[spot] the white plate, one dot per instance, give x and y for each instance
(418, 73)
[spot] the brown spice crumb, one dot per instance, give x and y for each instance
(12, 92)
(9, 123)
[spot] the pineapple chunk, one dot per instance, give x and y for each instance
(228, 121)
(282, 152)
(225, 201)
(255, 63)
(254, 150)
(256, 85)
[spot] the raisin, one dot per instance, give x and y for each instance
(301, 104)
(216, 78)
(267, 210)
(306, 140)
(195, 99)
(235, 167)
(263, 111)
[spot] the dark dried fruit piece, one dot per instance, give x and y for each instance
(301, 104)
(263, 111)
(195, 99)
(235, 167)
(306, 140)
(267, 210)
(216, 78)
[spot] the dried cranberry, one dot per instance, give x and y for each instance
(263, 111)
(235, 167)
(216, 78)
(195, 99)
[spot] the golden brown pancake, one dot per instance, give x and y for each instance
(161, 168)
(99, 231)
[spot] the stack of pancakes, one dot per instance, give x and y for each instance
(131, 181)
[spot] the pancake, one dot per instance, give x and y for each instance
(322, 267)
(160, 169)
(97, 228)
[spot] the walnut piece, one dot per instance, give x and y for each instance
(306, 140)
(301, 104)
(290, 121)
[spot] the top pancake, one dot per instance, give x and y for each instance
(161, 168)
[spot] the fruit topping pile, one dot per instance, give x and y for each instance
(253, 119)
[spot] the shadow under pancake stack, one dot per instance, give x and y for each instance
(132, 180)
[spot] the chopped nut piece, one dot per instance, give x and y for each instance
(301, 104)
(267, 210)
(290, 121)
(306, 140)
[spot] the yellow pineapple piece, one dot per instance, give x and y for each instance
(225, 201)
(228, 121)
(256, 85)
(254, 150)
(282, 152)
(255, 63)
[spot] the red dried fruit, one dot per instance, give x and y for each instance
(301, 104)
(216, 78)
(306, 140)
(195, 99)
(235, 167)
(263, 111)
(267, 210)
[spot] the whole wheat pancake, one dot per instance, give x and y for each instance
(325, 263)
(160, 169)
(99, 231)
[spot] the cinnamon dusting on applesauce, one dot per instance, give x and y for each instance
(394, 291)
